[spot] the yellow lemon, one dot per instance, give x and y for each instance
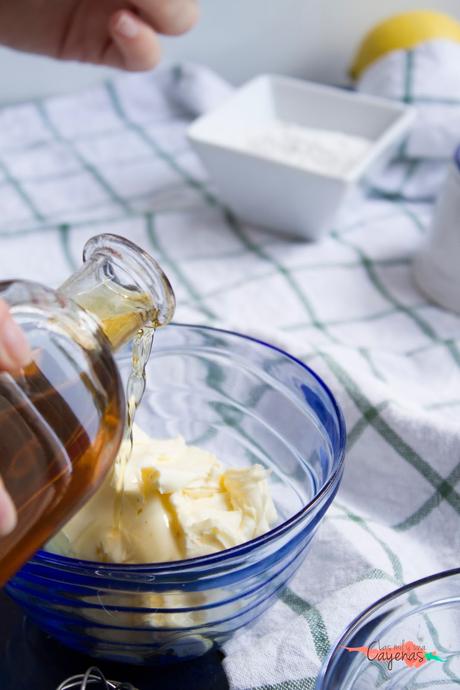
(403, 32)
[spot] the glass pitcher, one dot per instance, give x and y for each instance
(62, 417)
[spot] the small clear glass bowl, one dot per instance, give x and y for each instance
(248, 402)
(424, 617)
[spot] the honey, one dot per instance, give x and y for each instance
(64, 419)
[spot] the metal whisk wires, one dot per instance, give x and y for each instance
(92, 679)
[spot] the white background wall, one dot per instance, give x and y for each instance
(239, 38)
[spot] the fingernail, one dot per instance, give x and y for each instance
(8, 517)
(15, 343)
(127, 26)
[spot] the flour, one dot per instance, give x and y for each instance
(318, 150)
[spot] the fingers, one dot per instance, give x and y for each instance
(7, 512)
(14, 353)
(135, 45)
(171, 17)
(14, 348)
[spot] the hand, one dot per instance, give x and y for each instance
(116, 33)
(14, 354)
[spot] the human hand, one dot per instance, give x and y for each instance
(116, 33)
(14, 353)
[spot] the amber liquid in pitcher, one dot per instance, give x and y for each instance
(63, 418)
(62, 421)
(56, 442)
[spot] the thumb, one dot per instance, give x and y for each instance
(7, 512)
(135, 45)
(14, 349)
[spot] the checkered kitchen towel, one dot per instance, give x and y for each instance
(115, 159)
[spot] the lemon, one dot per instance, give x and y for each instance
(402, 32)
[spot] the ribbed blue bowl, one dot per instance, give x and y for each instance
(425, 615)
(248, 402)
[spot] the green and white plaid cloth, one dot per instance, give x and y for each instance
(115, 159)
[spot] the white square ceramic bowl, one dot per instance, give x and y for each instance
(282, 196)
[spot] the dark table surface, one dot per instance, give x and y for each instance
(30, 660)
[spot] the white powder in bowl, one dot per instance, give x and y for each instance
(318, 150)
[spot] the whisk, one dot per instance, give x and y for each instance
(93, 678)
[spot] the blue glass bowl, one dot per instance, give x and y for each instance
(248, 402)
(425, 613)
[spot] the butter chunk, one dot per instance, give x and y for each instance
(178, 501)
(249, 493)
(191, 466)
